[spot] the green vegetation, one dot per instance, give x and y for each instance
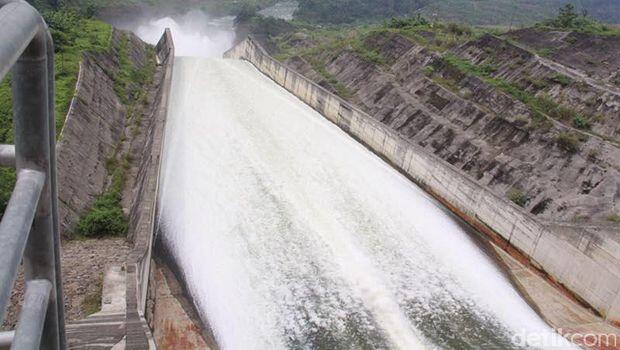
(516, 12)
(73, 33)
(545, 52)
(480, 12)
(569, 19)
(341, 90)
(437, 36)
(128, 79)
(440, 37)
(91, 8)
(258, 25)
(368, 54)
(568, 141)
(484, 70)
(560, 79)
(580, 218)
(327, 43)
(407, 23)
(580, 122)
(517, 197)
(614, 218)
(106, 216)
(428, 71)
(539, 104)
(349, 11)
(92, 301)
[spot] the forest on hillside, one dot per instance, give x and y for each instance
(477, 12)
(497, 12)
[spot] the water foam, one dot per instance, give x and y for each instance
(292, 235)
(195, 33)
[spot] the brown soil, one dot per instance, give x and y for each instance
(83, 262)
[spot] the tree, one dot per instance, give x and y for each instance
(567, 16)
(247, 12)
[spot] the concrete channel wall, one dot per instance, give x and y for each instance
(142, 216)
(93, 128)
(588, 266)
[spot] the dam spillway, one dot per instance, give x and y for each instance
(291, 235)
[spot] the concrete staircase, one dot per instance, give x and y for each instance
(118, 325)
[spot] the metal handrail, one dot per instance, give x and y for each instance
(29, 227)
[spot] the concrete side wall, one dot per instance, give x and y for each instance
(143, 207)
(589, 268)
(94, 127)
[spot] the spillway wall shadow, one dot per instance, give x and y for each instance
(588, 267)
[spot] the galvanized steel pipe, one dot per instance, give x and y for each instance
(7, 155)
(32, 315)
(26, 45)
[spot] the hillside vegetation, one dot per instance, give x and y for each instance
(73, 33)
(488, 12)
(528, 113)
(139, 8)
(348, 11)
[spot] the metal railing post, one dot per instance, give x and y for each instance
(51, 88)
(32, 148)
(26, 46)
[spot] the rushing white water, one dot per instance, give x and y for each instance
(290, 234)
(195, 33)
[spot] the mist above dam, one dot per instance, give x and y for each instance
(290, 234)
(195, 33)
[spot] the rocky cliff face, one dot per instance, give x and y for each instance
(553, 169)
(95, 127)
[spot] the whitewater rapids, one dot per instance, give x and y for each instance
(291, 235)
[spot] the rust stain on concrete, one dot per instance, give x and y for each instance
(172, 327)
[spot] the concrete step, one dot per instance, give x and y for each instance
(114, 327)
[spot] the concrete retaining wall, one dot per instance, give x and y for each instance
(94, 127)
(143, 208)
(588, 265)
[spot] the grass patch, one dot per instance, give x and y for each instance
(92, 301)
(560, 79)
(517, 197)
(106, 216)
(580, 122)
(467, 67)
(72, 34)
(370, 55)
(546, 52)
(539, 105)
(568, 142)
(614, 218)
(341, 90)
(568, 19)
(436, 36)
